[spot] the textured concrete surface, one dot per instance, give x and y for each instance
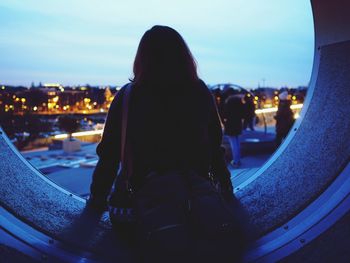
(316, 154)
(46, 208)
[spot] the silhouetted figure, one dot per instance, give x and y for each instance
(234, 113)
(173, 126)
(220, 101)
(249, 112)
(284, 118)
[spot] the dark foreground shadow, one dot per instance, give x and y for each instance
(92, 236)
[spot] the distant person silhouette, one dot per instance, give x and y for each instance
(219, 99)
(249, 112)
(234, 112)
(173, 125)
(284, 117)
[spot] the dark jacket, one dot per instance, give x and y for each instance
(233, 112)
(284, 118)
(249, 108)
(168, 128)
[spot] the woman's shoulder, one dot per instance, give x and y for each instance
(203, 89)
(201, 84)
(122, 90)
(118, 98)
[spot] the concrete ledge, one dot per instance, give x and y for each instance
(24, 192)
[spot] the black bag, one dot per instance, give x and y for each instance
(210, 213)
(121, 210)
(178, 210)
(161, 212)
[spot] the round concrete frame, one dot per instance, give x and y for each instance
(43, 220)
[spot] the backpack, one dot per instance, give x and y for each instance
(181, 215)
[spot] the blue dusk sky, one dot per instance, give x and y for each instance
(94, 41)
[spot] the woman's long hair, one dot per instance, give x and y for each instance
(163, 55)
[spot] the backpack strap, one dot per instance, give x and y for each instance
(125, 147)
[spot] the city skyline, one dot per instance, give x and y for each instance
(94, 43)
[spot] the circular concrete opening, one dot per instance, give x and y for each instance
(313, 156)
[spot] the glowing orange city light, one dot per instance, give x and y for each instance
(274, 109)
(79, 134)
